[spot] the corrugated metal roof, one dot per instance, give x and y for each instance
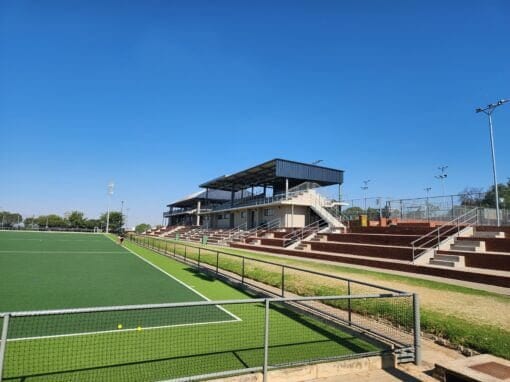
(214, 195)
(274, 172)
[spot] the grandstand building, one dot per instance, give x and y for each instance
(276, 193)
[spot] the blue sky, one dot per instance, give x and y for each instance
(161, 96)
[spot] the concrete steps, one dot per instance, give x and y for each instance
(452, 261)
(468, 245)
(489, 235)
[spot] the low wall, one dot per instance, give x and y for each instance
(493, 244)
(397, 253)
(482, 278)
(483, 260)
(393, 230)
(317, 371)
(402, 240)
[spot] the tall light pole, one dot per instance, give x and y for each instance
(488, 110)
(365, 188)
(427, 190)
(110, 193)
(442, 176)
(121, 215)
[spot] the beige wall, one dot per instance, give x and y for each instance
(290, 216)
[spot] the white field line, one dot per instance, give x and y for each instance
(36, 231)
(53, 240)
(179, 281)
(69, 251)
(121, 330)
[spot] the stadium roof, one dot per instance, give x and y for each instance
(211, 195)
(274, 172)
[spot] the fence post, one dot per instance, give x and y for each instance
(266, 342)
(217, 260)
(349, 311)
(417, 330)
(175, 253)
(242, 272)
(199, 257)
(3, 344)
(185, 252)
(283, 280)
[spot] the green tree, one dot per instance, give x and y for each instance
(471, 196)
(8, 219)
(76, 219)
(504, 195)
(50, 221)
(352, 213)
(142, 227)
(116, 221)
(92, 223)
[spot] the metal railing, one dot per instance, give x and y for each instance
(33, 336)
(233, 233)
(255, 201)
(302, 233)
(262, 276)
(433, 239)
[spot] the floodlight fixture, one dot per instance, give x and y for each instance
(488, 110)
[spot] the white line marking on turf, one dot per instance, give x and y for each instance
(122, 330)
(69, 251)
(179, 281)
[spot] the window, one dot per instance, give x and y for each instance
(268, 212)
(243, 214)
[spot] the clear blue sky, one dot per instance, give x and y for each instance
(163, 95)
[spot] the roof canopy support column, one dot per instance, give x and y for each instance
(286, 188)
(198, 212)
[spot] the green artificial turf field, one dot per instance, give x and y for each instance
(61, 270)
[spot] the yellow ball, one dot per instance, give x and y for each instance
(139, 328)
(119, 326)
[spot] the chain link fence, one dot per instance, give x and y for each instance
(186, 341)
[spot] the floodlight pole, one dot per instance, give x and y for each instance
(488, 111)
(121, 215)
(442, 176)
(427, 190)
(365, 188)
(110, 193)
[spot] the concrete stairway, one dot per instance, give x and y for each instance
(453, 261)
(468, 245)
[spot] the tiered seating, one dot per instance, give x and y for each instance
(487, 248)
(272, 237)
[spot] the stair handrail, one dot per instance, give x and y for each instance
(271, 224)
(319, 201)
(434, 237)
(232, 233)
(300, 234)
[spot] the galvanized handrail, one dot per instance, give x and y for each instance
(300, 234)
(434, 237)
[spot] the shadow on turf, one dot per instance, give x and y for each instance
(158, 368)
(201, 275)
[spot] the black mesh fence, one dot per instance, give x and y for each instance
(145, 343)
(386, 318)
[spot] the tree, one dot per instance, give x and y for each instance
(76, 219)
(140, 228)
(116, 221)
(471, 196)
(92, 223)
(504, 195)
(9, 219)
(352, 213)
(50, 221)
